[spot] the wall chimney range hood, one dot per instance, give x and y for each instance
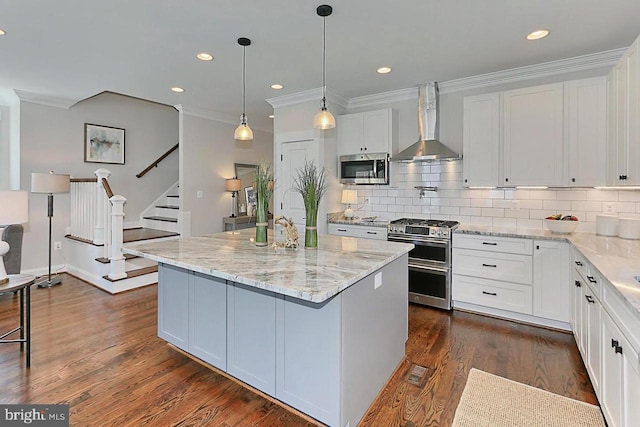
(428, 148)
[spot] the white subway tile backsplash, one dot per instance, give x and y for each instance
(505, 222)
(471, 211)
(493, 212)
(579, 205)
(543, 194)
(435, 201)
(395, 193)
(501, 203)
(387, 200)
(480, 203)
(395, 208)
(529, 223)
(481, 220)
(629, 196)
(471, 194)
(450, 210)
(493, 194)
(530, 204)
(379, 193)
(558, 206)
(572, 195)
(539, 214)
(603, 195)
(520, 194)
(449, 194)
(459, 202)
(516, 213)
(403, 201)
(462, 219)
(622, 207)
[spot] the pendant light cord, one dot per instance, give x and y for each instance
(244, 70)
(324, 61)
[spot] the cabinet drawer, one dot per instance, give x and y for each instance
(493, 244)
(580, 263)
(492, 293)
(493, 265)
(342, 230)
(363, 231)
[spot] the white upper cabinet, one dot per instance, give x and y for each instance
(481, 140)
(587, 131)
(366, 132)
(533, 136)
(624, 107)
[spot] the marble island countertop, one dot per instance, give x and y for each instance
(617, 260)
(310, 274)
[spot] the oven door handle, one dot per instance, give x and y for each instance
(430, 242)
(423, 267)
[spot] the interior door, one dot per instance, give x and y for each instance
(292, 158)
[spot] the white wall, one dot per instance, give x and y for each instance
(4, 147)
(207, 156)
(53, 139)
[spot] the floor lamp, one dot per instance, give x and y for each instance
(14, 209)
(49, 183)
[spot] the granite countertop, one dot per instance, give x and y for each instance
(310, 274)
(338, 218)
(616, 259)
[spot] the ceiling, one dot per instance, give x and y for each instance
(78, 48)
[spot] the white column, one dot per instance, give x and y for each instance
(117, 267)
(102, 208)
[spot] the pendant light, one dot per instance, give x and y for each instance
(324, 119)
(243, 131)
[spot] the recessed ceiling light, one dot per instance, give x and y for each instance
(177, 89)
(204, 56)
(384, 70)
(276, 86)
(2, 33)
(271, 116)
(538, 34)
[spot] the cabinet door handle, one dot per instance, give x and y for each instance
(538, 247)
(592, 279)
(578, 284)
(490, 293)
(590, 299)
(342, 229)
(490, 243)
(618, 349)
(614, 343)
(578, 263)
(489, 265)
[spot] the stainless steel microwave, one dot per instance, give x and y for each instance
(371, 168)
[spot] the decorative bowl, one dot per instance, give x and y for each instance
(561, 227)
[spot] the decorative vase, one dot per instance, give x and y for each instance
(264, 190)
(311, 185)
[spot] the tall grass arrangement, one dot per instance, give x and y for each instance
(264, 191)
(310, 183)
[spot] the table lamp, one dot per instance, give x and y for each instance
(49, 183)
(233, 185)
(14, 209)
(349, 197)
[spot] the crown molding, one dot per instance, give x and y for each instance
(48, 100)
(384, 97)
(579, 63)
(306, 96)
(217, 116)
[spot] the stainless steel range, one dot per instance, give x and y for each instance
(429, 261)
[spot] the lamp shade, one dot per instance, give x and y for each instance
(349, 196)
(232, 184)
(324, 120)
(49, 183)
(243, 133)
(14, 207)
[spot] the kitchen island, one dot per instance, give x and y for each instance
(318, 329)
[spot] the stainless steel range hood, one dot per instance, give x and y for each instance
(428, 148)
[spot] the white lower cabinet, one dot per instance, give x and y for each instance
(620, 396)
(551, 278)
(361, 231)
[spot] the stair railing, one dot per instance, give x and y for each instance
(155, 163)
(97, 216)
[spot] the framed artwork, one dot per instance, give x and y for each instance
(250, 196)
(103, 144)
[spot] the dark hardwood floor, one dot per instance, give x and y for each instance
(100, 353)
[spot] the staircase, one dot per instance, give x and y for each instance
(96, 237)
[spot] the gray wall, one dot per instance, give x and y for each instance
(53, 139)
(4, 147)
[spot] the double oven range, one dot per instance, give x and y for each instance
(429, 261)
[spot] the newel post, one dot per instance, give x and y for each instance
(101, 208)
(117, 270)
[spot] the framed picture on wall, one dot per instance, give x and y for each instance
(103, 144)
(250, 196)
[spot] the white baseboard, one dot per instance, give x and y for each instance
(43, 271)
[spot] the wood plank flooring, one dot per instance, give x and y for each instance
(100, 353)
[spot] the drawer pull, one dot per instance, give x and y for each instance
(592, 279)
(490, 293)
(614, 343)
(489, 265)
(578, 284)
(590, 299)
(372, 232)
(490, 243)
(342, 229)
(578, 263)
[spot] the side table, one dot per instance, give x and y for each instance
(21, 283)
